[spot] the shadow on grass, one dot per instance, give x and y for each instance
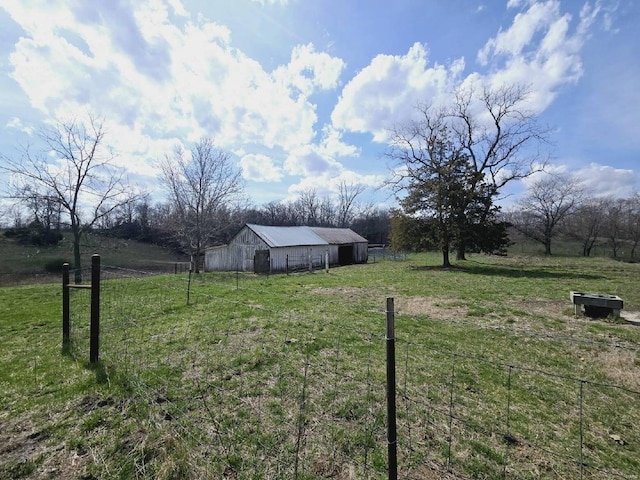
(100, 371)
(99, 368)
(507, 271)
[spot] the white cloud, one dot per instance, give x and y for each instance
(328, 184)
(539, 49)
(260, 168)
(597, 180)
(159, 80)
(604, 181)
(309, 70)
(310, 161)
(17, 123)
(387, 90)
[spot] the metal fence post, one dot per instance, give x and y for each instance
(66, 327)
(392, 443)
(94, 346)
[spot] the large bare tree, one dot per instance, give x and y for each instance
(483, 140)
(199, 184)
(73, 172)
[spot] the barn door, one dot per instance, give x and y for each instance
(262, 261)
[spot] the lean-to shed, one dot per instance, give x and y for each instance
(262, 249)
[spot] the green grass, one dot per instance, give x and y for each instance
(284, 376)
(20, 264)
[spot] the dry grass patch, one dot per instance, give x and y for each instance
(621, 367)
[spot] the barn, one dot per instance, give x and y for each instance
(271, 249)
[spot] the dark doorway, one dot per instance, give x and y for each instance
(345, 255)
(262, 261)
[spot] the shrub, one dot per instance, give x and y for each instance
(54, 265)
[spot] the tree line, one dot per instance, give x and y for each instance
(450, 164)
(72, 184)
(557, 207)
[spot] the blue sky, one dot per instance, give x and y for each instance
(302, 92)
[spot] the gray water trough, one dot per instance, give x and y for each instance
(597, 304)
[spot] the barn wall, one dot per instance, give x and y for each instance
(361, 252)
(238, 255)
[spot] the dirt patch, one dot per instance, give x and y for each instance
(621, 367)
(40, 446)
(436, 308)
(28, 452)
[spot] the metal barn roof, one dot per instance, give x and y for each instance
(287, 236)
(339, 236)
(303, 236)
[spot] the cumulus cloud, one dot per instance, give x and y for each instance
(160, 78)
(328, 185)
(607, 181)
(541, 49)
(309, 70)
(260, 168)
(387, 90)
(597, 180)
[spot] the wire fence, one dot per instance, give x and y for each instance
(237, 388)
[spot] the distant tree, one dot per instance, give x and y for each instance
(586, 224)
(374, 224)
(199, 184)
(307, 207)
(615, 224)
(548, 202)
(347, 196)
(75, 173)
(632, 213)
(456, 159)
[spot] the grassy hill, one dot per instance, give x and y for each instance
(243, 376)
(28, 263)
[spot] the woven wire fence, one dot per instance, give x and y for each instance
(234, 388)
(485, 419)
(237, 398)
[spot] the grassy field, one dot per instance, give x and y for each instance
(23, 264)
(284, 376)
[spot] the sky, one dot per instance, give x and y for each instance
(302, 93)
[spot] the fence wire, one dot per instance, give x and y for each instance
(238, 389)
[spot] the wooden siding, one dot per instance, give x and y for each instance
(238, 255)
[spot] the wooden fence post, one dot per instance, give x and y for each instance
(66, 327)
(94, 346)
(392, 443)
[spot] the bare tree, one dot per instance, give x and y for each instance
(308, 207)
(633, 222)
(549, 201)
(74, 173)
(347, 195)
(199, 185)
(615, 224)
(586, 224)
